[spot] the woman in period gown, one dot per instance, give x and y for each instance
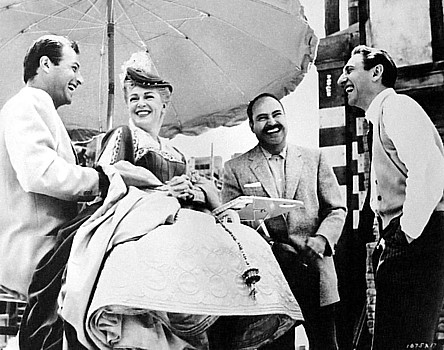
(174, 276)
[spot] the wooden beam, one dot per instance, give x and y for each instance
(332, 136)
(420, 76)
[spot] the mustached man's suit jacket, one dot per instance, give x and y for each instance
(308, 178)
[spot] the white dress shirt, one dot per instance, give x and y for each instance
(414, 138)
(276, 162)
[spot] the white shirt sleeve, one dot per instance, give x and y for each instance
(412, 134)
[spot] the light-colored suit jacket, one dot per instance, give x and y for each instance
(40, 184)
(309, 178)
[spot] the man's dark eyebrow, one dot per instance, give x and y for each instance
(348, 67)
(277, 111)
(261, 115)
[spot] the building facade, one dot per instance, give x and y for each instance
(412, 31)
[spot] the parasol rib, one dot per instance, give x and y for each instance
(255, 1)
(45, 18)
(183, 35)
(71, 7)
(266, 4)
(237, 28)
(81, 18)
(125, 13)
(173, 28)
(54, 15)
(195, 44)
(95, 7)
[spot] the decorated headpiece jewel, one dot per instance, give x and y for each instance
(139, 70)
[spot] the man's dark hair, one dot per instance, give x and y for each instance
(48, 46)
(372, 57)
(257, 98)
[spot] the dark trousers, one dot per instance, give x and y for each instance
(319, 321)
(320, 330)
(409, 287)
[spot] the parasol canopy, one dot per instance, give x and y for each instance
(217, 54)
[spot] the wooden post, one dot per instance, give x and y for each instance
(331, 16)
(363, 8)
(437, 26)
(353, 12)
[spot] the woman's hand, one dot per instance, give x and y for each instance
(180, 187)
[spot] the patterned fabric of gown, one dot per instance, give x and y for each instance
(115, 319)
(138, 280)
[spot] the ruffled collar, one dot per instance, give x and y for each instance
(143, 141)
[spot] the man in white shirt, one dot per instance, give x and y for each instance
(40, 183)
(407, 184)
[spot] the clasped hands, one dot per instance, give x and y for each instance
(308, 248)
(180, 187)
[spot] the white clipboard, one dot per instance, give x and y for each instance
(252, 208)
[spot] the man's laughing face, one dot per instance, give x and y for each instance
(356, 81)
(269, 122)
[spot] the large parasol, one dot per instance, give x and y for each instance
(217, 54)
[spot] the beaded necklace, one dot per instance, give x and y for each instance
(251, 275)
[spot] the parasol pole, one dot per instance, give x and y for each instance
(111, 85)
(212, 162)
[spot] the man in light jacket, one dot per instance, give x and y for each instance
(40, 183)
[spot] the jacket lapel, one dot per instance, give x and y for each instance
(293, 170)
(259, 166)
